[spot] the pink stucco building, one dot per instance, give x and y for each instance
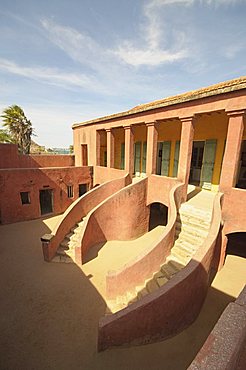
(186, 155)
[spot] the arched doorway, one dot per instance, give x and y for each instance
(236, 244)
(158, 215)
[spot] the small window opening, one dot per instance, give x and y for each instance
(82, 189)
(70, 191)
(25, 197)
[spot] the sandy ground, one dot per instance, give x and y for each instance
(49, 312)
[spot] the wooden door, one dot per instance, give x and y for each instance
(143, 170)
(137, 158)
(165, 159)
(208, 163)
(176, 159)
(122, 158)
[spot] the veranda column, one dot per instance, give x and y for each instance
(110, 148)
(152, 136)
(98, 144)
(185, 153)
(129, 148)
(231, 158)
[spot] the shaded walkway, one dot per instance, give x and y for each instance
(49, 312)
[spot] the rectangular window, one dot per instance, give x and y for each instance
(70, 191)
(25, 197)
(82, 189)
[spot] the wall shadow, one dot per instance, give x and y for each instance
(93, 252)
(236, 244)
(50, 313)
(193, 193)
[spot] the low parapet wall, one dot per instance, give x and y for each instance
(78, 209)
(225, 347)
(122, 216)
(103, 174)
(143, 266)
(171, 308)
(159, 188)
(233, 211)
(10, 158)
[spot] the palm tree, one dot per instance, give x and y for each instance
(18, 127)
(5, 137)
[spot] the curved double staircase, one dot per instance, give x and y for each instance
(191, 230)
(161, 290)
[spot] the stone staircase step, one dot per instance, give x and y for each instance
(189, 247)
(152, 286)
(193, 239)
(180, 258)
(62, 259)
(61, 251)
(142, 293)
(178, 266)
(65, 244)
(160, 278)
(169, 270)
(187, 251)
(69, 236)
(181, 252)
(191, 229)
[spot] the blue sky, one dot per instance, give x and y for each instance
(66, 61)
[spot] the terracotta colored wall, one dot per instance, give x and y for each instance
(14, 181)
(159, 189)
(148, 262)
(123, 216)
(86, 134)
(104, 174)
(234, 211)
(225, 347)
(78, 209)
(10, 158)
(170, 309)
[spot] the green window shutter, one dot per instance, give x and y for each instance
(158, 158)
(105, 158)
(208, 163)
(176, 159)
(122, 161)
(144, 157)
(165, 160)
(137, 156)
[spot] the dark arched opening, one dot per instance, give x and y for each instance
(158, 215)
(236, 244)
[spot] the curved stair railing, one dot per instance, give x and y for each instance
(73, 217)
(171, 308)
(141, 268)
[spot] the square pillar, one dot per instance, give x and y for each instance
(231, 158)
(185, 153)
(129, 150)
(98, 144)
(152, 136)
(110, 148)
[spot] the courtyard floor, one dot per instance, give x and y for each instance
(49, 312)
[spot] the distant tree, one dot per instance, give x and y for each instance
(71, 149)
(18, 127)
(49, 150)
(5, 137)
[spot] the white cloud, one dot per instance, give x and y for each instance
(151, 57)
(159, 47)
(162, 45)
(79, 46)
(52, 76)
